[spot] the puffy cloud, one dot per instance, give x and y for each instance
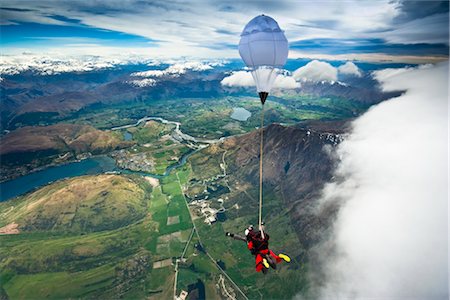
(390, 235)
(245, 79)
(316, 71)
(239, 78)
(350, 68)
(285, 82)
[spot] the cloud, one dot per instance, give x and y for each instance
(432, 29)
(285, 82)
(175, 28)
(349, 68)
(245, 79)
(238, 79)
(369, 57)
(410, 10)
(316, 71)
(390, 236)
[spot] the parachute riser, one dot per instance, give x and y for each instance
(263, 97)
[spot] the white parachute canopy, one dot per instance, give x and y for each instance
(263, 48)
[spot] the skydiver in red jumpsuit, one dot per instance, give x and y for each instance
(259, 246)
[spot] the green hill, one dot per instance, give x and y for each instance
(83, 204)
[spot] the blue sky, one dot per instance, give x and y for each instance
(349, 29)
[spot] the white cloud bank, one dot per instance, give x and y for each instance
(245, 79)
(391, 233)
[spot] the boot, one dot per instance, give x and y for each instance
(284, 257)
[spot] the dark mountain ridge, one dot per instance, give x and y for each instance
(298, 162)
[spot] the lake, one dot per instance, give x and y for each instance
(19, 186)
(91, 166)
(127, 136)
(240, 114)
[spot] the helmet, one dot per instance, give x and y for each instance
(247, 231)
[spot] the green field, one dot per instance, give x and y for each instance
(110, 262)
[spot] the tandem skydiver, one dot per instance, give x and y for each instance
(258, 244)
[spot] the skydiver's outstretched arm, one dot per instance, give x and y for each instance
(236, 237)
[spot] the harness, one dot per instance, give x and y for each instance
(258, 242)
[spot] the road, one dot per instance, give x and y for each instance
(201, 244)
(178, 260)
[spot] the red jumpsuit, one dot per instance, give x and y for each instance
(260, 248)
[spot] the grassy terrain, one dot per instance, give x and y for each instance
(88, 203)
(242, 209)
(210, 117)
(67, 262)
(59, 285)
(151, 132)
(154, 151)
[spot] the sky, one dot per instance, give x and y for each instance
(362, 30)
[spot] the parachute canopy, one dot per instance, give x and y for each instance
(263, 47)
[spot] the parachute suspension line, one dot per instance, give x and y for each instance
(261, 171)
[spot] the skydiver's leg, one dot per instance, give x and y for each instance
(275, 257)
(269, 259)
(259, 262)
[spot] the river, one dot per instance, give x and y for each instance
(94, 165)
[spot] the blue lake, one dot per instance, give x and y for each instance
(240, 114)
(90, 166)
(127, 136)
(24, 184)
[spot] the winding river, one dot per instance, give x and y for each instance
(97, 165)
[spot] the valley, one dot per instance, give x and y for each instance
(178, 173)
(138, 258)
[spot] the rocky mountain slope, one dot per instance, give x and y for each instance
(298, 161)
